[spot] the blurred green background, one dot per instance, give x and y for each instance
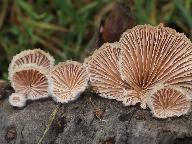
(64, 27)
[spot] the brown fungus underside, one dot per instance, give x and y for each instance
(104, 72)
(146, 59)
(30, 81)
(28, 74)
(169, 102)
(149, 65)
(27, 58)
(155, 55)
(67, 81)
(35, 56)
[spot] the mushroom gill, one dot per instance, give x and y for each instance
(67, 81)
(31, 81)
(28, 74)
(104, 72)
(155, 55)
(168, 102)
(35, 57)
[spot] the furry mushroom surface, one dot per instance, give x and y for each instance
(104, 72)
(67, 81)
(17, 99)
(152, 55)
(169, 102)
(31, 81)
(35, 57)
(28, 74)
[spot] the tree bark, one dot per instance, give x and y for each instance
(90, 120)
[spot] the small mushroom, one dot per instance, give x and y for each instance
(28, 74)
(67, 81)
(169, 102)
(31, 81)
(17, 99)
(35, 57)
(104, 72)
(152, 55)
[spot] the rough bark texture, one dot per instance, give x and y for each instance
(77, 123)
(2, 87)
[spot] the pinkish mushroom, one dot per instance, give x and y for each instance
(28, 74)
(35, 57)
(67, 81)
(155, 55)
(30, 81)
(169, 102)
(104, 72)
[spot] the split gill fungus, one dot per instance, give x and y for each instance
(148, 59)
(67, 81)
(150, 65)
(28, 74)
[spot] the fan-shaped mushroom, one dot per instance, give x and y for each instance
(169, 102)
(17, 99)
(35, 57)
(104, 72)
(152, 55)
(31, 81)
(67, 81)
(28, 74)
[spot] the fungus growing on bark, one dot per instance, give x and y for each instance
(104, 72)
(152, 55)
(28, 74)
(31, 81)
(168, 102)
(17, 99)
(35, 57)
(67, 81)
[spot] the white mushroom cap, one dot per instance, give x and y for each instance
(67, 81)
(104, 72)
(31, 81)
(35, 57)
(17, 99)
(169, 102)
(151, 55)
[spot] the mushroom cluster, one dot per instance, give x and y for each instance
(149, 65)
(33, 76)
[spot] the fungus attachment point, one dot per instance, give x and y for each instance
(152, 55)
(132, 98)
(35, 57)
(67, 81)
(17, 100)
(169, 102)
(30, 81)
(104, 72)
